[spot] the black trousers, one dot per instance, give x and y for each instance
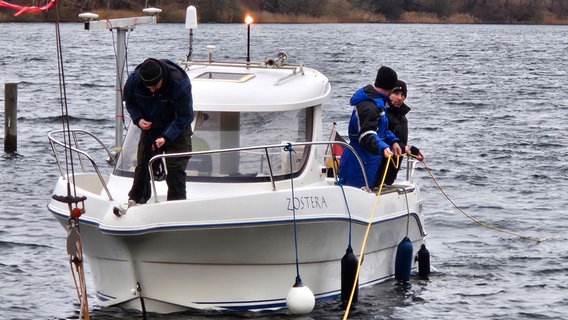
(141, 190)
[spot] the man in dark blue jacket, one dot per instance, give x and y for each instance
(398, 124)
(368, 132)
(158, 97)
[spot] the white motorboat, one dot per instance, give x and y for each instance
(262, 207)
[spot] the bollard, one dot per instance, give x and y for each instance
(10, 117)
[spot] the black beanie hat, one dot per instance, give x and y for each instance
(386, 78)
(400, 86)
(150, 72)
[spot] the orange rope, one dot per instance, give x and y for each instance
(76, 260)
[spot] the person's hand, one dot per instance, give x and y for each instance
(416, 153)
(396, 149)
(144, 125)
(420, 156)
(387, 153)
(160, 142)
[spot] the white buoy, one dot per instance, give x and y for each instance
(300, 299)
(191, 18)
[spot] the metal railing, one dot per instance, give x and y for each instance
(263, 148)
(71, 145)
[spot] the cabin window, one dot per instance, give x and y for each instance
(237, 130)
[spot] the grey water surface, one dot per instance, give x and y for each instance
(490, 111)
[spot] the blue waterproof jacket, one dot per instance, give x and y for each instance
(368, 135)
(170, 109)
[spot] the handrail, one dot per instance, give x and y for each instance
(74, 146)
(54, 141)
(295, 69)
(159, 157)
(258, 65)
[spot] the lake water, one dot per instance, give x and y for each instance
(490, 111)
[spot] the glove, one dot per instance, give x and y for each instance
(414, 151)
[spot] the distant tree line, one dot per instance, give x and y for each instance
(487, 11)
(480, 11)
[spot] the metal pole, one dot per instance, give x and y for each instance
(120, 63)
(248, 42)
(10, 117)
(121, 25)
(189, 58)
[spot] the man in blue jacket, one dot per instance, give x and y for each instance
(368, 132)
(158, 97)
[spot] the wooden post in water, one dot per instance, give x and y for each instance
(10, 117)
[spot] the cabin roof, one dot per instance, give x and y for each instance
(236, 88)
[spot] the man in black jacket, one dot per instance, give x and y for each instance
(398, 124)
(158, 97)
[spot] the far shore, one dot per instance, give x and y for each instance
(178, 16)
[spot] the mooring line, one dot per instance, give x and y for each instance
(481, 223)
(360, 260)
(289, 149)
(348, 307)
(74, 245)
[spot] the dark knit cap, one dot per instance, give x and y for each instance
(400, 86)
(150, 72)
(386, 78)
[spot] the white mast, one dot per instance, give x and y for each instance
(121, 26)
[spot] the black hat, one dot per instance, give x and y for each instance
(386, 78)
(150, 72)
(400, 86)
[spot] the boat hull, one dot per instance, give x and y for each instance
(245, 262)
(263, 205)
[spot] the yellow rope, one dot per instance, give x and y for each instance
(367, 234)
(481, 223)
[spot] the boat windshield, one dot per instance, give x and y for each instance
(233, 130)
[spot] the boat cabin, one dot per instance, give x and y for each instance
(290, 112)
